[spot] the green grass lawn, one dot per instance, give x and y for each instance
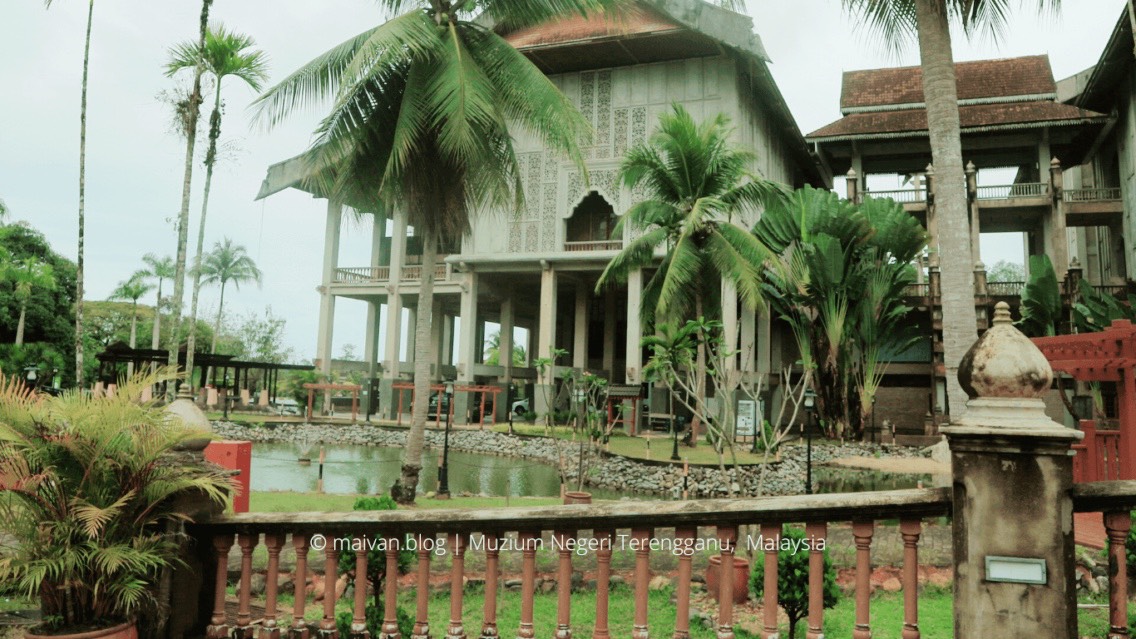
(287, 502)
(657, 447)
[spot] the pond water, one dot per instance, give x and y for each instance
(351, 469)
(373, 469)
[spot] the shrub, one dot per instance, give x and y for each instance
(376, 557)
(793, 578)
(374, 616)
(529, 416)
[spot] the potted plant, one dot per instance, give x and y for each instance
(91, 495)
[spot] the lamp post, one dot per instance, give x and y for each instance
(444, 469)
(810, 410)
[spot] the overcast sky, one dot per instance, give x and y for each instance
(134, 163)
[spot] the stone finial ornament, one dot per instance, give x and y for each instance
(1004, 363)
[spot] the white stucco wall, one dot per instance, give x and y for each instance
(623, 105)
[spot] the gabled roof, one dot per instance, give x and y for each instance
(640, 21)
(1024, 78)
(1115, 62)
(975, 118)
(994, 95)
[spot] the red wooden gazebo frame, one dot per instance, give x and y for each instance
(354, 388)
(458, 388)
(1107, 356)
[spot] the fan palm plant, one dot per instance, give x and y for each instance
(227, 262)
(160, 269)
(79, 260)
(928, 22)
(422, 107)
(226, 54)
(87, 493)
(698, 186)
(189, 114)
(28, 275)
(132, 289)
(838, 280)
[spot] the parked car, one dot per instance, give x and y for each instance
(432, 410)
(521, 406)
(286, 406)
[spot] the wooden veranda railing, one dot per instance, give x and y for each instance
(675, 527)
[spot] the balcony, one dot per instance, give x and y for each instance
(599, 245)
(372, 275)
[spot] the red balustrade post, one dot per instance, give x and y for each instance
(727, 538)
(603, 582)
(328, 628)
(457, 585)
(422, 591)
(492, 573)
(218, 629)
(269, 629)
(529, 542)
(244, 629)
(684, 545)
(563, 585)
(299, 627)
(359, 614)
(641, 544)
(816, 532)
(770, 540)
(911, 530)
(1117, 525)
(862, 532)
(390, 589)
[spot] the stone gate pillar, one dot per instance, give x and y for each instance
(1013, 515)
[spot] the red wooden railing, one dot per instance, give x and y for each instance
(730, 525)
(1097, 455)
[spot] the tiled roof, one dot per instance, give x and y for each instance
(1005, 115)
(640, 20)
(1030, 75)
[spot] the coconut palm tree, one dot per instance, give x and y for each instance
(160, 269)
(227, 262)
(226, 54)
(190, 115)
(131, 290)
(928, 22)
(28, 275)
(82, 194)
(698, 184)
(421, 115)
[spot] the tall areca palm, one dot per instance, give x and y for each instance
(190, 115)
(133, 289)
(28, 275)
(226, 54)
(928, 21)
(160, 269)
(82, 194)
(422, 106)
(698, 185)
(227, 262)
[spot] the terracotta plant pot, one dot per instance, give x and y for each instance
(122, 631)
(576, 497)
(741, 578)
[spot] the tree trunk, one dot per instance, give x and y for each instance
(404, 489)
(940, 92)
(133, 336)
(20, 325)
(79, 289)
(186, 190)
(700, 372)
(210, 160)
(216, 330)
(156, 332)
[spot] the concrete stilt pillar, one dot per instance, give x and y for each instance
(730, 322)
(468, 347)
(580, 327)
(332, 230)
(609, 333)
(1012, 475)
(436, 336)
(1058, 236)
(371, 354)
(546, 337)
(634, 368)
(505, 338)
(747, 340)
